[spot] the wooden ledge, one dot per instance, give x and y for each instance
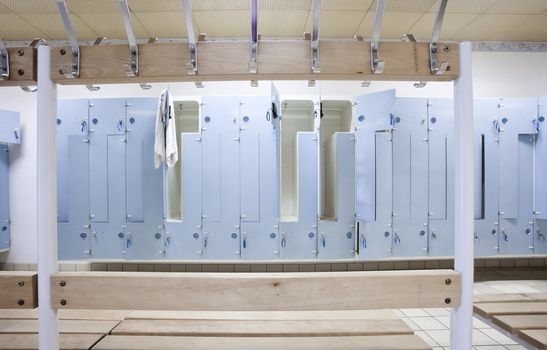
(18, 290)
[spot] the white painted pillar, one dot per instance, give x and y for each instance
(461, 321)
(47, 199)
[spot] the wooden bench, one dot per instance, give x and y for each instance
(510, 308)
(18, 290)
(509, 297)
(65, 326)
(66, 341)
(515, 323)
(536, 337)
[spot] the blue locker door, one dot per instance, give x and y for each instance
(486, 177)
(540, 244)
(221, 231)
(184, 239)
(299, 238)
(73, 179)
(4, 198)
(144, 195)
(410, 178)
(441, 177)
(337, 238)
(107, 179)
(259, 201)
(518, 128)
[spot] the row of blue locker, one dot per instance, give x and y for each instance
(293, 179)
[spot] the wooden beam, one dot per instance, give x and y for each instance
(18, 290)
(256, 291)
(277, 60)
(22, 62)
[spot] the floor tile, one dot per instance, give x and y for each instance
(438, 312)
(425, 337)
(414, 312)
(441, 337)
(411, 324)
(498, 336)
(480, 338)
(428, 323)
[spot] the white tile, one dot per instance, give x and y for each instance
(414, 312)
(489, 347)
(498, 336)
(438, 312)
(428, 323)
(445, 320)
(441, 337)
(425, 337)
(515, 347)
(411, 324)
(479, 324)
(480, 338)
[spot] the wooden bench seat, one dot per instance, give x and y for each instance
(393, 342)
(535, 337)
(65, 326)
(516, 308)
(509, 297)
(66, 341)
(67, 314)
(514, 323)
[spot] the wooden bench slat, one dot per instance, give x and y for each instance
(535, 337)
(394, 342)
(262, 328)
(18, 290)
(67, 314)
(509, 297)
(66, 341)
(65, 326)
(517, 322)
(256, 291)
(525, 308)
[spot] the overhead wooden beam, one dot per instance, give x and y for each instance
(18, 290)
(277, 60)
(256, 291)
(22, 64)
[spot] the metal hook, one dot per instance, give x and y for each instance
(377, 65)
(131, 69)
(436, 67)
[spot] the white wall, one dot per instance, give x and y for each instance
(500, 74)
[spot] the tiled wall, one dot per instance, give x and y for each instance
(289, 267)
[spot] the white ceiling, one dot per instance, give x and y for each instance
(476, 20)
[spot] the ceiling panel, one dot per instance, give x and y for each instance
(93, 6)
(30, 6)
(155, 5)
(163, 24)
(13, 27)
(452, 23)
(490, 27)
(281, 23)
(338, 24)
(347, 5)
(4, 9)
(412, 6)
(110, 25)
(287, 5)
(53, 28)
(220, 5)
(223, 23)
(394, 25)
(518, 7)
(465, 6)
(534, 28)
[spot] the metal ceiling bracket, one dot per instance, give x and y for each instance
(72, 71)
(420, 84)
(192, 65)
(253, 41)
(29, 89)
(315, 63)
(311, 83)
(377, 65)
(365, 83)
(131, 69)
(34, 44)
(91, 87)
(199, 85)
(4, 61)
(437, 68)
(254, 83)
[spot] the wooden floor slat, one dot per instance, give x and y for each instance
(30, 341)
(394, 342)
(518, 308)
(509, 297)
(65, 326)
(262, 328)
(535, 337)
(514, 323)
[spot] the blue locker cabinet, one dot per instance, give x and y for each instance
(540, 244)
(73, 171)
(440, 115)
(220, 182)
(259, 189)
(374, 173)
(487, 128)
(517, 137)
(9, 133)
(410, 178)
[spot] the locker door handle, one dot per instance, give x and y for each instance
(364, 242)
(397, 239)
(323, 241)
(16, 134)
(541, 237)
(84, 125)
(283, 241)
(433, 234)
(120, 125)
(505, 237)
(245, 243)
(477, 239)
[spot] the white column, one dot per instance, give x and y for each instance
(47, 199)
(461, 329)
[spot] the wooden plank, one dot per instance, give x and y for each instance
(535, 337)
(262, 315)
(67, 314)
(30, 341)
(509, 297)
(18, 290)
(517, 322)
(22, 62)
(277, 60)
(527, 308)
(262, 328)
(394, 342)
(312, 291)
(65, 326)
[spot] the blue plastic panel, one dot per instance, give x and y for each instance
(486, 177)
(299, 238)
(220, 160)
(540, 244)
(441, 177)
(4, 198)
(9, 127)
(410, 178)
(259, 191)
(337, 239)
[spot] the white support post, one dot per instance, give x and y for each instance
(47, 199)
(461, 330)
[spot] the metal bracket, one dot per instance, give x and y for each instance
(92, 87)
(253, 41)
(377, 65)
(72, 71)
(131, 69)
(420, 84)
(436, 67)
(365, 83)
(4, 61)
(34, 44)
(192, 65)
(315, 63)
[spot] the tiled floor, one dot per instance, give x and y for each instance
(433, 324)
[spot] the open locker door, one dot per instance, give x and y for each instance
(374, 173)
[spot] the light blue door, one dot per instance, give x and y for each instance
(540, 244)
(4, 198)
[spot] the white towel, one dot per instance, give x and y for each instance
(165, 142)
